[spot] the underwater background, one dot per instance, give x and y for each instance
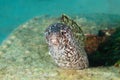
(16, 12)
(24, 53)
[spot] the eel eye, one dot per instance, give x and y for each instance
(48, 33)
(63, 32)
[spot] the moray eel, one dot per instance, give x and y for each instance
(65, 48)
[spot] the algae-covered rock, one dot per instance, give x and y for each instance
(24, 56)
(111, 48)
(107, 51)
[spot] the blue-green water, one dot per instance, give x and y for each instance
(15, 12)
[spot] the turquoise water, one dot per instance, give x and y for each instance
(16, 12)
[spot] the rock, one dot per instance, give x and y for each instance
(93, 42)
(103, 49)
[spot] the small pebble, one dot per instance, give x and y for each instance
(53, 74)
(1, 52)
(27, 52)
(35, 29)
(4, 46)
(24, 26)
(12, 37)
(8, 42)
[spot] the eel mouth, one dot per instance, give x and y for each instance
(54, 40)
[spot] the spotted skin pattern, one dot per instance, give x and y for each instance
(66, 51)
(76, 29)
